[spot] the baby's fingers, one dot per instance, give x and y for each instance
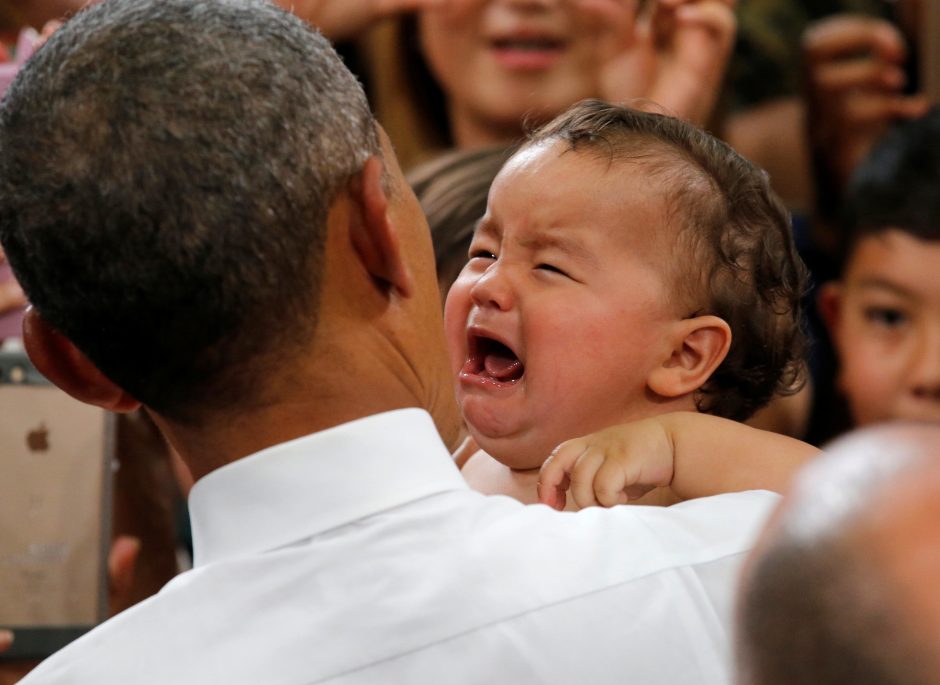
(553, 476)
(582, 476)
(617, 482)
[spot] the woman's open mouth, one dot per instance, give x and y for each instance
(527, 53)
(491, 362)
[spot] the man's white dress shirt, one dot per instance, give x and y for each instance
(359, 555)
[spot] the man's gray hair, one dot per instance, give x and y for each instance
(166, 170)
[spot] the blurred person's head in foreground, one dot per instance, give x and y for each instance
(841, 590)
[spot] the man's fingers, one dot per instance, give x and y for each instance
(851, 35)
(713, 15)
(871, 109)
(11, 296)
(6, 640)
(122, 563)
(836, 77)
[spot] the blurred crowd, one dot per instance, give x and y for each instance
(829, 97)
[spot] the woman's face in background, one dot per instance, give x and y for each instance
(500, 62)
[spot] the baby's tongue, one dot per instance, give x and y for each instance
(502, 365)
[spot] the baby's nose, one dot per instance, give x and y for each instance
(493, 289)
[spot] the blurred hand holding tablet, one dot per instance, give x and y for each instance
(56, 461)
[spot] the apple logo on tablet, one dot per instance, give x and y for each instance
(37, 440)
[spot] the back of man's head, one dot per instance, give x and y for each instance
(840, 591)
(166, 170)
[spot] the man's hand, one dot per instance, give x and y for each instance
(11, 295)
(855, 82)
(613, 466)
(674, 52)
(344, 19)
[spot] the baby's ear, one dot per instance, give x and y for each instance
(699, 345)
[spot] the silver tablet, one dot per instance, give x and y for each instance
(55, 510)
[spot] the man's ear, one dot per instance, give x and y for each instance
(699, 345)
(373, 233)
(829, 304)
(61, 362)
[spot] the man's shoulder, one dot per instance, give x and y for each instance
(412, 587)
(635, 540)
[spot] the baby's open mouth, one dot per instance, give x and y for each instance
(492, 360)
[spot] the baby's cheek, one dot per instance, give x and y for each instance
(455, 325)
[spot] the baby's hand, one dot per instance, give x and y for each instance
(613, 466)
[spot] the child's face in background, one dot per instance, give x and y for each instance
(885, 321)
(499, 61)
(564, 308)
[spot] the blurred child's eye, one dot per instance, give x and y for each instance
(888, 317)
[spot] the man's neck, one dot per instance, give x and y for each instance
(308, 403)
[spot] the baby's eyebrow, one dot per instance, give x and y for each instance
(486, 227)
(573, 248)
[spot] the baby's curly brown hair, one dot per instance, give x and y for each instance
(737, 259)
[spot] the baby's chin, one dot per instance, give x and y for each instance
(519, 454)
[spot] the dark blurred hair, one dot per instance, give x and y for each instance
(166, 170)
(897, 185)
(453, 190)
(739, 261)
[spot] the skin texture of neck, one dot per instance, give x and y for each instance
(310, 400)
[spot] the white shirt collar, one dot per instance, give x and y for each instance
(307, 486)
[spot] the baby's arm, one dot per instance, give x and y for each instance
(695, 455)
